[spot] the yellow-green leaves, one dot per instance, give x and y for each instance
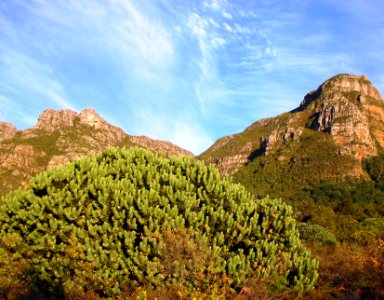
(102, 222)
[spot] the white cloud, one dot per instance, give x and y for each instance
(271, 52)
(120, 28)
(182, 129)
(21, 72)
(209, 89)
(191, 137)
(11, 110)
(143, 42)
(228, 27)
(198, 26)
(217, 42)
(242, 29)
(214, 4)
(213, 22)
(227, 15)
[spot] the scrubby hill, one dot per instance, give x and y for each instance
(316, 154)
(60, 137)
(342, 120)
(326, 159)
(122, 220)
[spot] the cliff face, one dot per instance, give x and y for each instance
(61, 136)
(346, 112)
(7, 131)
(351, 110)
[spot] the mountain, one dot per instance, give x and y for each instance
(61, 136)
(316, 154)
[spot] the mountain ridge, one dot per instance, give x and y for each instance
(348, 109)
(61, 136)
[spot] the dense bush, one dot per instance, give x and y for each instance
(316, 233)
(103, 224)
(375, 169)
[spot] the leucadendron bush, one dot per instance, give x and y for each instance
(115, 221)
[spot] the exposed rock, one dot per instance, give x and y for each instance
(230, 164)
(340, 107)
(89, 117)
(7, 131)
(51, 120)
(159, 146)
(280, 136)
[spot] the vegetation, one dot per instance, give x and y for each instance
(341, 219)
(295, 166)
(316, 233)
(123, 220)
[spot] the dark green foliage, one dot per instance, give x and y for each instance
(371, 230)
(306, 178)
(99, 224)
(316, 233)
(375, 169)
(295, 166)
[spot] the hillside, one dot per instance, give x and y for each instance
(334, 130)
(326, 159)
(61, 136)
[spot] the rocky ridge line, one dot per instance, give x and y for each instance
(347, 107)
(61, 136)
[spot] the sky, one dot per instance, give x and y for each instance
(184, 71)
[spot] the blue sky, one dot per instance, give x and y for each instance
(188, 72)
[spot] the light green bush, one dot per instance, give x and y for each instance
(98, 224)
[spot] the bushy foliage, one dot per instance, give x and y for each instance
(101, 224)
(316, 233)
(350, 271)
(375, 169)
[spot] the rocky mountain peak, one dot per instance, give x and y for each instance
(7, 130)
(348, 107)
(51, 120)
(346, 111)
(347, 84)
(59, 137)
(91, 118)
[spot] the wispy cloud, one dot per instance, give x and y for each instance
(9, 107)
(23, 71)
(184, 129)
(141, 40)
(186, 71)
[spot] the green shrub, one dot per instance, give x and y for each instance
(371, 230)
(101, 224)
(316, 233)
(374, 224)
(375, 169)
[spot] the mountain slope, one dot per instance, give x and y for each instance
(61, 136)
(344, 116)
(323, 158)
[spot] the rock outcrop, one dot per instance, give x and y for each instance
(344, 106)
(7, 131)
(51, 120)
(59, 137)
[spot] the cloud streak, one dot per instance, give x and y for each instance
(187, 71)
